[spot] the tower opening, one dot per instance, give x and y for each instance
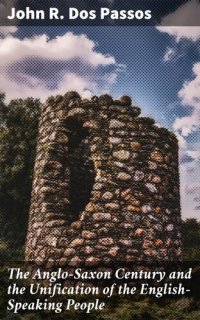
(81, 167)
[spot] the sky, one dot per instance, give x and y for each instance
(159, 67)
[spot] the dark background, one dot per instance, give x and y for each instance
(159, 8)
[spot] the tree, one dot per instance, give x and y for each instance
(19, 126)
(191, 239)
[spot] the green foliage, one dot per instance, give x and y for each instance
(191, 239)
(19, 126)
(127, 309)
(148, 309)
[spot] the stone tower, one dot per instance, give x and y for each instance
(106, 185)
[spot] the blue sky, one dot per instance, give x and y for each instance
(159, 69)
(152, 83)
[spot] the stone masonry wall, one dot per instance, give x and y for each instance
(106, 185)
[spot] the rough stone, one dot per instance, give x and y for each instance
(75, 261)
(170, 227)
(92, 261)
(133, 209)
(156, 156)
(139, 232)
(156, 179)
(91, 124)
(152, 165)
(113, 251)
(52, 241)
(122, 154)
(91, 207)
(98, 186)
(76, 225)
(87, 250)
(115, 140)
(107, 196)
(96, 194)
(112, 206)
(139, 175)
(106, 185)
(76, 111)
(106, 241)
(126, 194)
(124, 176)
(101, 216)
(69, 252)
(77, 242)
(146, 208)
(88, 235)
(127, 243)
(151, 187)
(158, 243)
(135, 145)
(129, 258)
(63, 242)
(158, 210)
(135, 203)
(116, 124)
(119, 164)
(37, 225)
(147, 244)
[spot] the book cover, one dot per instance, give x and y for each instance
(99, 159)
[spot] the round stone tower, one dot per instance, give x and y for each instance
(106, 185)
